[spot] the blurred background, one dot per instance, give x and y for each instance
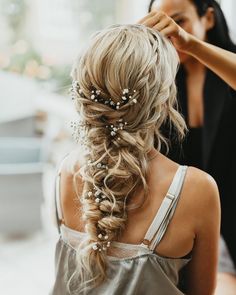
(39, 41)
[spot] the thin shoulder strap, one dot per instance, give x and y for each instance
(159, 224)
(59, 213)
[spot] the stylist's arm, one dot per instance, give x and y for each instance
(220, 61)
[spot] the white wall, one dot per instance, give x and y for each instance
(130, 11)
(51, 26)
(229, 8)
(59, 28)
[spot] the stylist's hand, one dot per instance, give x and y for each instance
(168, 27)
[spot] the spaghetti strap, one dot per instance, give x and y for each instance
(57, 194)
(160, 222)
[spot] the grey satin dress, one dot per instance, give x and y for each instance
(133, 269)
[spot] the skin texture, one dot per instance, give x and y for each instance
(194, 226)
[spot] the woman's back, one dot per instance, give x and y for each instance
(156, 267)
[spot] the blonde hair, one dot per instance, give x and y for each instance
(120, 57)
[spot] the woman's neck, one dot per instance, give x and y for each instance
(152, 154)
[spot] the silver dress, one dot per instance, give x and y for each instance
(133, 269)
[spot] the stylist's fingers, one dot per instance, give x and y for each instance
(152, 20)
(167, 32)
(180, 38)
(141, 21)
(164, 23)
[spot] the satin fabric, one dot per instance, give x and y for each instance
(144, 274)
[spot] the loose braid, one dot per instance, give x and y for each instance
(138, 61)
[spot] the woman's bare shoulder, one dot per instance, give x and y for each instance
(73, 162)
(196, 181)
(71, 182)
(200, 191)
(201, 184)
(71, 187)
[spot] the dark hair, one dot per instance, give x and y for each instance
(219, 34)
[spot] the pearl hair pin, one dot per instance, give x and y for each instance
(101, 246)
(126, 97)
(98, 196)
(95, 246)
(102, 237)
(96, 96)
(114, 128)
(99, 165)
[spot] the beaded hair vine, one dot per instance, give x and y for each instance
(95, 95)
(96, 195)
(102, 244)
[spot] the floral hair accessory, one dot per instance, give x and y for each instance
(96, 96)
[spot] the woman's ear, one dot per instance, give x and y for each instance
(209, 18)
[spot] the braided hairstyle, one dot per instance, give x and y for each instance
(124, 91)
